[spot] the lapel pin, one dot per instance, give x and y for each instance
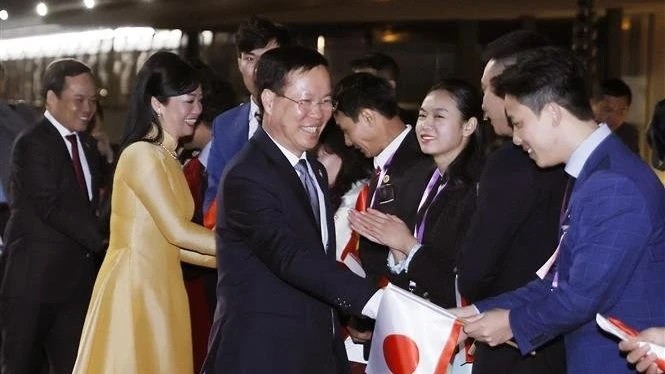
(386, 178)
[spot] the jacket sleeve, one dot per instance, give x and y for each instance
(608, 236)
(254, 211)
(160, 200)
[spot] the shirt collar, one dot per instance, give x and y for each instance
(382, 158)
(253, 109)
(293, 159)
(203, 155)
(58, 126)
(582, 153)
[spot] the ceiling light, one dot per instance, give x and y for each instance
(89, 3)
(4, 15)
(41, 9)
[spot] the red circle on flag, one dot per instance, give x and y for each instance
(401, 354)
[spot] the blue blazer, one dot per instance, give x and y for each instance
(230, 131)
(611, 261)
(279, 290)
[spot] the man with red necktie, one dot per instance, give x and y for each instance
(53, 236)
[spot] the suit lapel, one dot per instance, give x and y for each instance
(59, 143)
(286, 171)
(92, 157)
(238, 130)
(322, 180)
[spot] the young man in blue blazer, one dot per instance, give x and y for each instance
(611, 254)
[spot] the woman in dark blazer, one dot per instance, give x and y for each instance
(422, 258)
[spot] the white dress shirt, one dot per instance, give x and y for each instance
(84, 161)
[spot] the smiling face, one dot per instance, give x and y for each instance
(362, 134)
(536, 134)
(441, 130)
(77, 103)
(294, 128)
(180, 113)
(493, 105)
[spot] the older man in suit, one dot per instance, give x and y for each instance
(611, 255)
(234, 127)
(53, 236)
(279, 285)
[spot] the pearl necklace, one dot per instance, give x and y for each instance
(170, 152)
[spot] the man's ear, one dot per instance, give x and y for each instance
(367, 117)
(555, 111)
(51, 98)
(469, 126)
(267, 100)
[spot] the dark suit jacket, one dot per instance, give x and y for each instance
(53, 232)
(433, 267)
(630, 136)
(611, 261)
(230, 131)
(512, 233)
(278, 289)
(408, 173)
(11, 124)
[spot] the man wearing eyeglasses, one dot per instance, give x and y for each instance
(280, 287)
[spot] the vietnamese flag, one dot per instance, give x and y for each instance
(412, 335)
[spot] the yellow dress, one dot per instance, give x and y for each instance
(138, 317)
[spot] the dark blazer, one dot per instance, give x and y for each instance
(432, 269)
(279, 290)
(53, 233)
(611, 261)
(408, 173)
(512, 233)
(230, 132)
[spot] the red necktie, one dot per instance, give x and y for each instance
(195, 176)
(76, 162)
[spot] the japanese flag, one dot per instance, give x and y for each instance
(411, 335)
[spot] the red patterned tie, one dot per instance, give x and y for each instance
(76, 162)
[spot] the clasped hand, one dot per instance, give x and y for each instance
(384, 229)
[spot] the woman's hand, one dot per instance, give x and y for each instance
(384, 229)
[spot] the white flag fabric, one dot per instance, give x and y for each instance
(411, 335)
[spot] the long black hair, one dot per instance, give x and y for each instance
(468, 164)
(163, 75)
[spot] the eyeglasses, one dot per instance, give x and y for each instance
(306, 105)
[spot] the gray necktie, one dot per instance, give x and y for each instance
(310, 187)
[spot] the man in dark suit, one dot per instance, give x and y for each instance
(279, 284)
(53, 236)
(232, 129)
(611, 255)
(514, 228)
(367, 113)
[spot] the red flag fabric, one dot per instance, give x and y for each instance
(350, 254)
(412, 335)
